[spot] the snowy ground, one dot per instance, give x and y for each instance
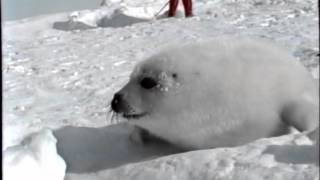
(63, 69)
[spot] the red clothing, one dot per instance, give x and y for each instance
(187, 4)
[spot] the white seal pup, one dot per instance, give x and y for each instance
(222, 93)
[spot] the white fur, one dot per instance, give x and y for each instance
(228, 92)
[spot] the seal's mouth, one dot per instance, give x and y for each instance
(133, 116)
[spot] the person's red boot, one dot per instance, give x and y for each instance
(187, 4)
(173, 4)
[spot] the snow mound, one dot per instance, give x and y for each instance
(126, 17)
(290, 157)
(114, 16)
(35, 158)
(107, 153)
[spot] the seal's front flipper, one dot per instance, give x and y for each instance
(143, 137)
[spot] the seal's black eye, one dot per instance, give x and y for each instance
(148, 83)
(175, 75)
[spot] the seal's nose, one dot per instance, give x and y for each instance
(116, 102)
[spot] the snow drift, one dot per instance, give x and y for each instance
(111, 16)
(94, 153)
(35, 158)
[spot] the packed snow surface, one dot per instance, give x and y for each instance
(63, 69)
(35, 158)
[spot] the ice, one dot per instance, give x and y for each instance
(273, 158)
(35, 158)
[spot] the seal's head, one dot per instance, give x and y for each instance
(151, 83)
(159, 96)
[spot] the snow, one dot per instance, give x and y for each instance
(275, 158)
(115, 15)
(63, 69)
(105, 147)
(35, 158)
